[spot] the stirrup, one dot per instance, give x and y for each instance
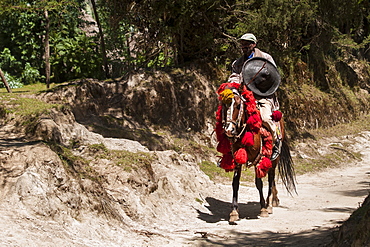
(276, 150)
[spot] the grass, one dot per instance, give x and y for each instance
(355, 127)
(17, 103)
(218, 174)
(338, 154)
(331, 160)
(127, 160)
(76, 165)
(132, 161)
(29, 106)
(30, 89)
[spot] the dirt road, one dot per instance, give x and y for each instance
(323, 202)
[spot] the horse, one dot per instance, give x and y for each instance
(234, 122)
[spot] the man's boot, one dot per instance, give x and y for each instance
(276, 149)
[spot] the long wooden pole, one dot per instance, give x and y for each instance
(4, 81)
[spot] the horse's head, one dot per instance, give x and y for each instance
(233, 115)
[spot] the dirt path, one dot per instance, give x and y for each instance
(323, 202)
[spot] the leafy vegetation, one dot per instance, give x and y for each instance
(160, 34)
(23, 29)
(323, 58)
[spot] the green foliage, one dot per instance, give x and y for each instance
(22, 32)
(28, 75)
(20, 35)
(180, 30)
(8, 62)
(76, 57)
(159, 34)
(280, 26)
(12, 81)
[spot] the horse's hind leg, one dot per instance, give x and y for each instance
(272, 199)
(275, 199)
(234, 215)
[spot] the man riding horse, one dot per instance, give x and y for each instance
(248, 123)
(257, 71)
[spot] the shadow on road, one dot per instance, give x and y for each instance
(313, 238)
(220, 210)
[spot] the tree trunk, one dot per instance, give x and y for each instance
(102, 42)
(4, 81)
(47, 49)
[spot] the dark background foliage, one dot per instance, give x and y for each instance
(321, 47)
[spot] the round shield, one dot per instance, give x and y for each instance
(261, 76)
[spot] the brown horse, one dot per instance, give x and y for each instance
(234, 125)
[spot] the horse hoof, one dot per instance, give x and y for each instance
(234, 216)
(275, 203)
(264, 213)
(269, 209)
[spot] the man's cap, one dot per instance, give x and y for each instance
(261, 76)
(248, 37)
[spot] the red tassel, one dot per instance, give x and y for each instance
(218, 113)
(267, 142)
(255, 123)
(260, 173)
(248, 95)
(276, 116)
(251, 109)
(248, 139)
(263, 167)
(224, 146)
(241, 156)
(219, 131)
(227, 162)
(265, 164)
(267, 150)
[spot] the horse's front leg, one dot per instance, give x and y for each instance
(259, 185)
(234, 215)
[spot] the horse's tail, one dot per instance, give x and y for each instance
(286, 168)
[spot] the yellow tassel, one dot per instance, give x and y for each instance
(227, 96)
